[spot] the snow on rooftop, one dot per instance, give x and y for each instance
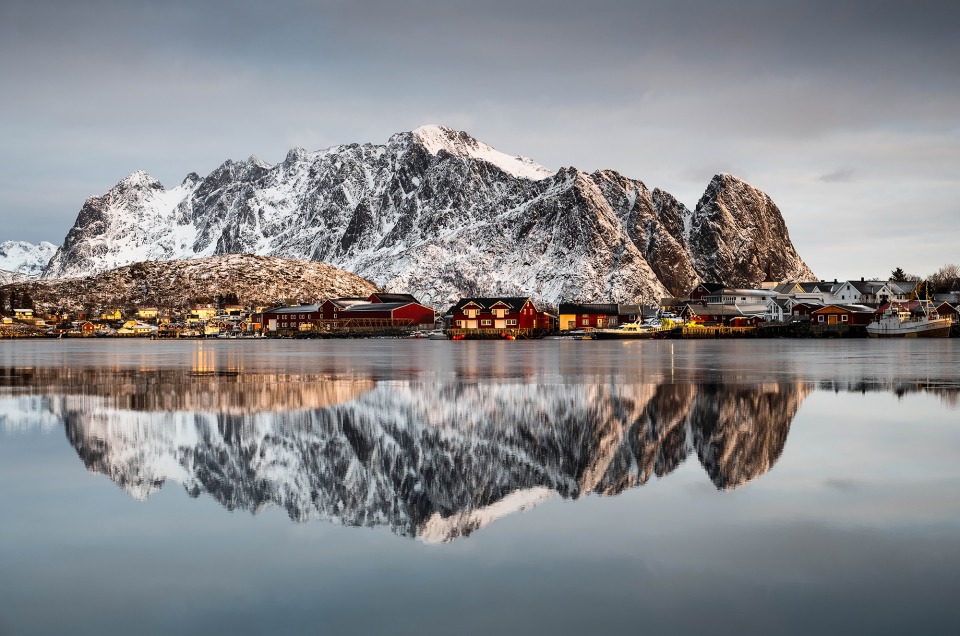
(437, 138)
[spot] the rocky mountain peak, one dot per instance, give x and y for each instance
(440, 214)
(460, 144)
(738, 230)
(139, 179)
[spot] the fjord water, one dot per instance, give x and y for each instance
(400, 486)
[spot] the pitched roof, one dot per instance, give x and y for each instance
(591, 308)
(375, 307)
(514, 302)
(394, 298)
(854, 309)
(299, 309)
(906, 286)
(711, 287)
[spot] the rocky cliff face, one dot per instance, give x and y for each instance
(440, 214)
(738, 231)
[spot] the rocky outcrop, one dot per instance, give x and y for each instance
(255, 280)
(738, 236)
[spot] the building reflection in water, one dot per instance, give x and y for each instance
(430, 459)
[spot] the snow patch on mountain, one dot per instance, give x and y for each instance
(436, 138)
(26, 259)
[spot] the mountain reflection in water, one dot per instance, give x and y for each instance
(433, 460)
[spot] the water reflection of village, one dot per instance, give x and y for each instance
(429, 458)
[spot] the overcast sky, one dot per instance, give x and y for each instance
(846, 113)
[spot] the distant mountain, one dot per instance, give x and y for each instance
(440, 214)
(254, 279)
(19, 259)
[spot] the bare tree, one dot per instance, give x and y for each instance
(946, 279)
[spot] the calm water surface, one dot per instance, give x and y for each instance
(552, 487)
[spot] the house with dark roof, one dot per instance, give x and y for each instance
(725, 315)
(843, 314)
(588, 316)
(498, 312)
(288, 319)
(403, 313)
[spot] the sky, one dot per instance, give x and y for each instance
(846, 113)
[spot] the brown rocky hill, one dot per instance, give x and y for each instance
(174, 284)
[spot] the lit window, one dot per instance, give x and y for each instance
(486, 322)
(511, 322)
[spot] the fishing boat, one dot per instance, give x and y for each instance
(630, 331)
(920, 321)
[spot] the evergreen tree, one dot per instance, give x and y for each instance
(898, 274)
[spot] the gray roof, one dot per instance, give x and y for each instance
(299, 309)
(375, 307)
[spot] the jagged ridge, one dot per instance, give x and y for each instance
(440, 214)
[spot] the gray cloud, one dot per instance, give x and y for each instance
(790, 96)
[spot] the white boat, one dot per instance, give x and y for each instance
(898, 321)
(629, 331)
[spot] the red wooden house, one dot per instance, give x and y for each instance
(389, 314)
(852, 315)
(946, 310)
(723, 315)
(287, 318)
(499, 313)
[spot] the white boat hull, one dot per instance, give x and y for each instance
(939, 328)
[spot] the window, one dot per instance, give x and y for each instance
(486, 322)
(820, 318)
(471, 313)
(843, 318)
(459, 323)
(511, 322)
(585, 321)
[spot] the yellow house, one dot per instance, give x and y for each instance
(146, 313)
(22, 313)
(203, 313)
(111, 314)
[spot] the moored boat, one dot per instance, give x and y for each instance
(629, 331)
(921, 321)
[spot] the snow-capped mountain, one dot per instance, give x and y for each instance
(439, 214)
(434, 460)
(19, 259)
